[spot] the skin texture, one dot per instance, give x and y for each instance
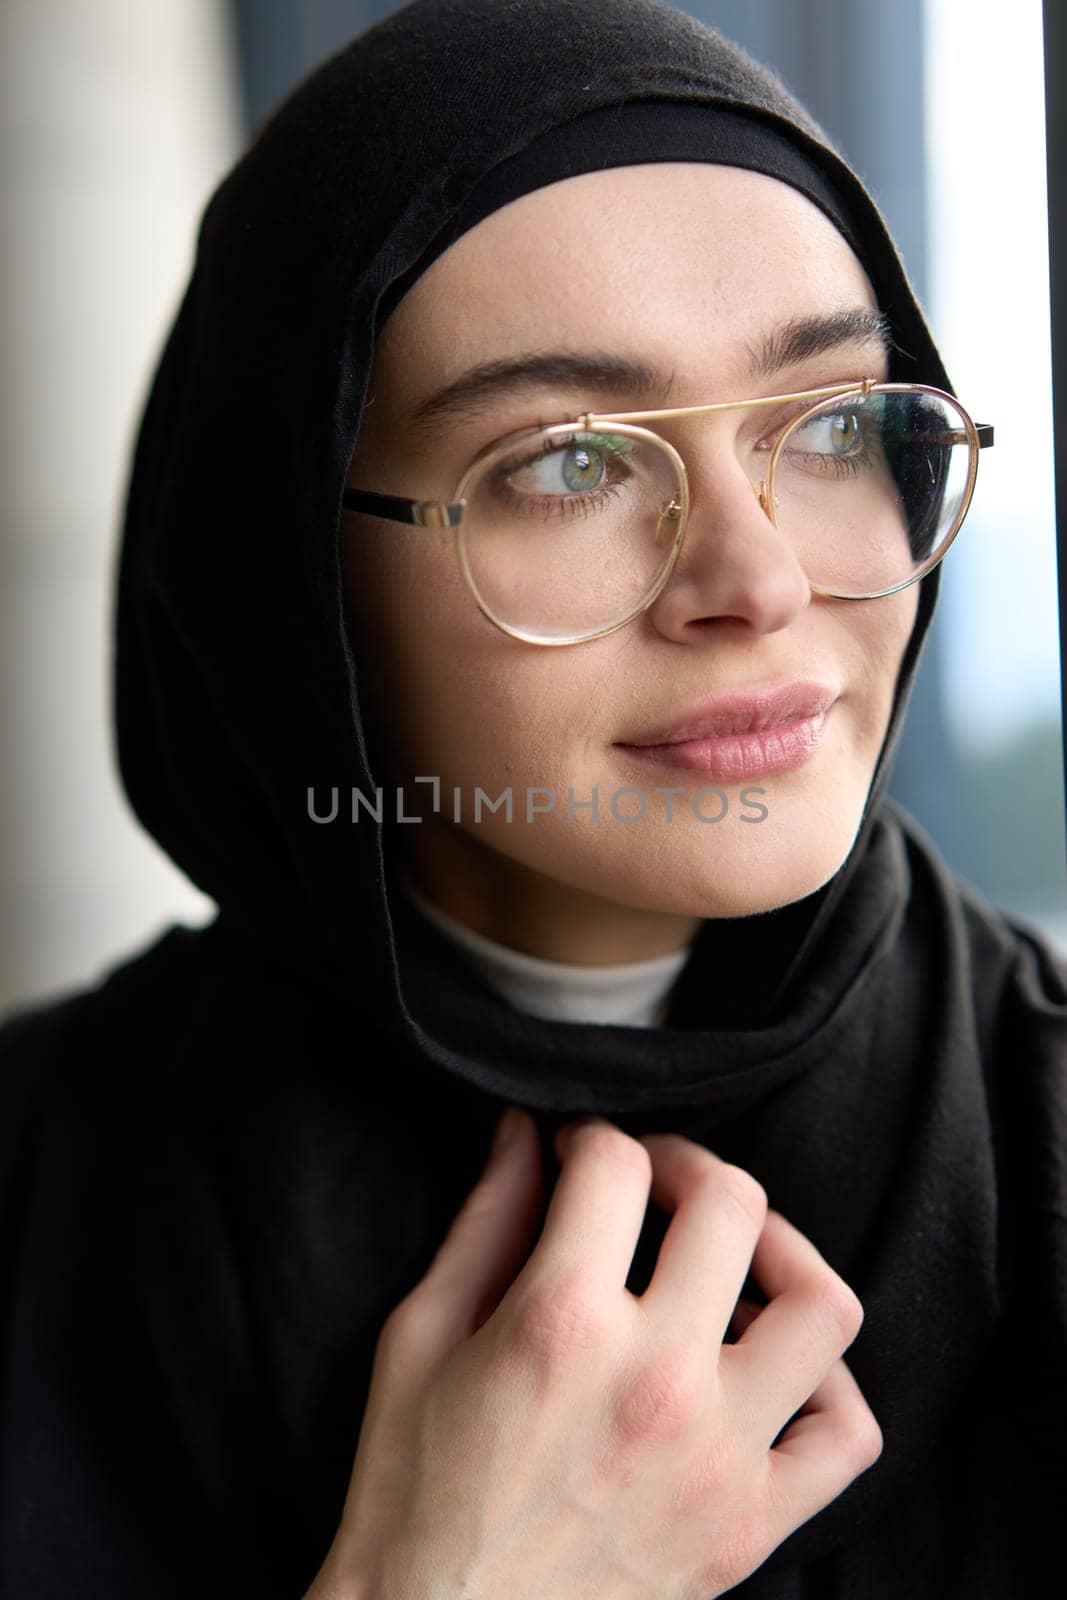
(549, 1433)
(730, 255)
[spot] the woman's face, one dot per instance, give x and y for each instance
(693, 270)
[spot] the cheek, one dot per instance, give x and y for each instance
(884, 642)
(405, 625)
(443, 692)
(902, 623)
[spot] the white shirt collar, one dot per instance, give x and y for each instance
(633, 994)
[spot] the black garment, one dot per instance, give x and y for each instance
(223, 1166)
(615, 135)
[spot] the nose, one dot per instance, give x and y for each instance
(735, 564)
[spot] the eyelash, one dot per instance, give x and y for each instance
(577, 504)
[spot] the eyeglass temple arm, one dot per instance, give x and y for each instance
(425, 513)
(984, 430)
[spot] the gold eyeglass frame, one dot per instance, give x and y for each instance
(675, 515)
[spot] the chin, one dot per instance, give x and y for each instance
(776, 873)
(749, 898)
(757, 868)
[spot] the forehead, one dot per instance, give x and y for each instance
(693, 259)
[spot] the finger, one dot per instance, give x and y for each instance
(597, 1207)
(834, 1439)
(812, 1316)
(485, 1245)
(704, 1258)
(743, 1313)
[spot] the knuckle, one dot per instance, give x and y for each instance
(661, 1399)
(857, 1436)
(867, 1440)
(841, 1305)
(818, 1331)
(399, 1329)
(737, 1188)
(558, 1322)
(831, 1313)
(399, 1320)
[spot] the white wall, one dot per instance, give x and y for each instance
(116, 119)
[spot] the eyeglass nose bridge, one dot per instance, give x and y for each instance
(666, 529)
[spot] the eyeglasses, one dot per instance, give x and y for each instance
(568, 532)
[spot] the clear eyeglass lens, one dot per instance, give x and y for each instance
(568, 531)
(870, 489)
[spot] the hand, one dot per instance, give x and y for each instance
(551, 1433)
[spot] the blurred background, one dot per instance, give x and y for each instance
(116, 121)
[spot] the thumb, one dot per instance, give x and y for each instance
(488, 1239)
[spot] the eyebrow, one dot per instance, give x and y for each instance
(480, 387)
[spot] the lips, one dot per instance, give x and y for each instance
(751, 712)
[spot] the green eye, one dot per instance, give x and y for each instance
(579, 465)
(837, 433)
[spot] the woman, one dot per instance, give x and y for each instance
(813, 1047)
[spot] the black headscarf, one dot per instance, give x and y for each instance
(754, 958)
(232, 1159)
(245, 686)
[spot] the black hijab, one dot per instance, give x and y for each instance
(754, 958)
(228, 1162)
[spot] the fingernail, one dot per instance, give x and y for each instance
(507, 1128)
